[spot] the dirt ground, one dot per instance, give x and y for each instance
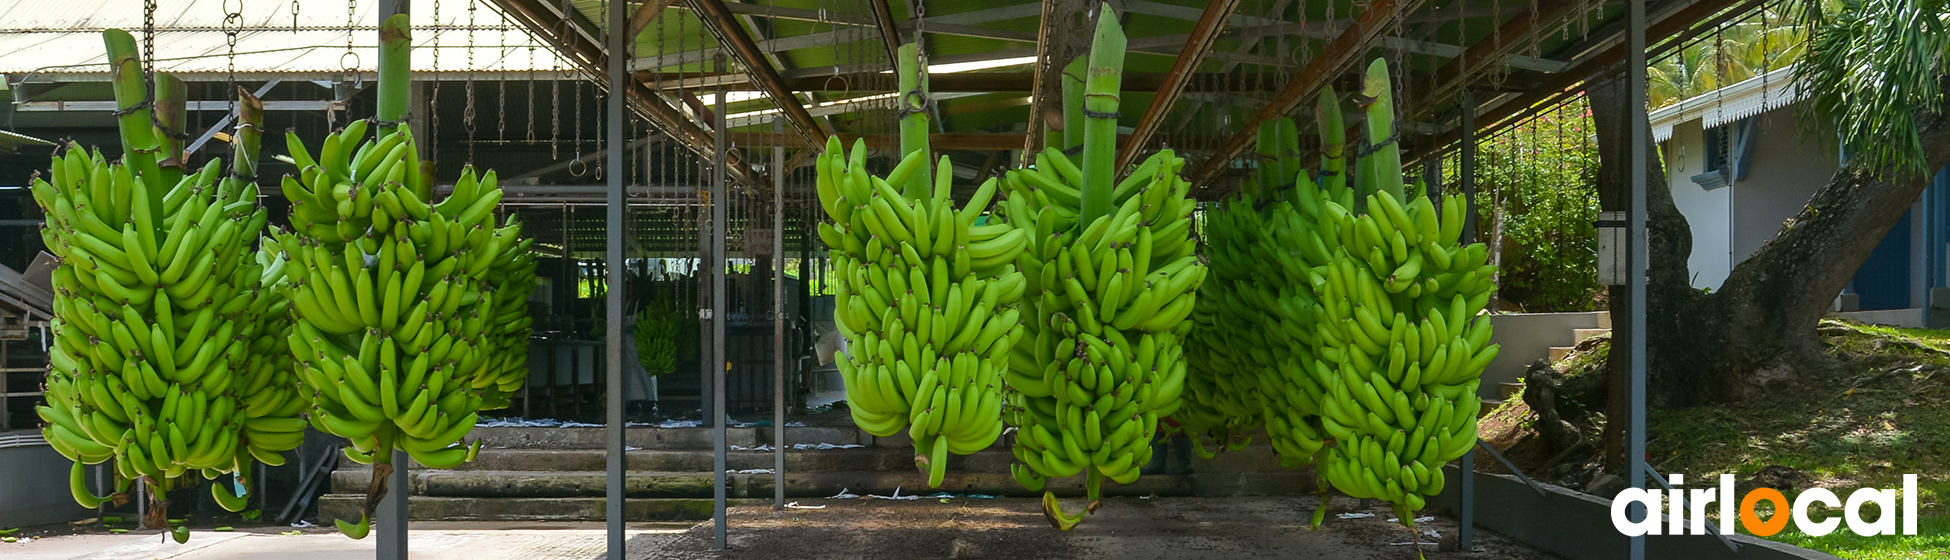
(1123, 529)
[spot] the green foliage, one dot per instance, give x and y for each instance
(1762, 42)
(1543, 176)
(1873, 67)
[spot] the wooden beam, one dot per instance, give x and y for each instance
(1338, 54)
(1605, 62)
(732, 34)
(1203, 34)
(1046, 69)
(952, 141)
(1482, 55)
(645, 13)
(590, 58)
(883, 16)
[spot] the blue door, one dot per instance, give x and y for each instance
(1883, 280)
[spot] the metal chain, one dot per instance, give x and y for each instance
(233, 23)
(531, 91)
(149, 42)
(577, 138)
(501, 108)
(348, 62)
(433, 97)
(555, 120)
(467, 113)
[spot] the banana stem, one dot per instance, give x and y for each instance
(395, 71)
(915, 122)
(132, 109)
(243, 148)
(1382, 140)
(1100, 101)
(1073, 107)
(1333, 141)
(172, 95)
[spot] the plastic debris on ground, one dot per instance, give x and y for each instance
(532, 423)
(843, 495)
(1424, 519)
(1354, 515)
(750, 471)
(301, 524)
(798, 446)
(795, 505)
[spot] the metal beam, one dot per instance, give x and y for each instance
(832, 108)
(1253, 25)
(201, 105)
(1203, 34)
(1478, 57)
(719, 18)
(1343, 50)
(977, 142)
(959, 82)
(616, 460)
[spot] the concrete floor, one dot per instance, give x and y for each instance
(429, 541)
(1123, 529)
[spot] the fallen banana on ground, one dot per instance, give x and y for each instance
(1113, 280)
(927, 298)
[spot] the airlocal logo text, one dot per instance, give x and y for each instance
(1687, 512)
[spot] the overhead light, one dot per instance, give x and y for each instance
(952, 68)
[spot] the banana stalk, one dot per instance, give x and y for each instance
(915, 124)
(134, 116)
(1100, 102)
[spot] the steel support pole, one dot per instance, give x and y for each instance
(616, 456)
(1635, 261)
(1466, 180)
(393, 515)
(718, 363)
(778, 319)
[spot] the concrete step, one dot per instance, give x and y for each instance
(1509, 389)
(1558, 353)
(429, 508)
(650, 437)
(757, 487)
(1255, 458)
(1489, 405)
(1578, 336)
(699, 460)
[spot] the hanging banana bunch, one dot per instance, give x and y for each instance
(1402, 344)
(405, 309)
(656, 337)
(1115, 280)
(927, 298)
(161, 356)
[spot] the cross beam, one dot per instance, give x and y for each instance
(883, 17)
(1343, 50)
(732, 34)
(965, 82)
(1203, 34)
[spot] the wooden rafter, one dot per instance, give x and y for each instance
(883, 17)
(1484, 53)
(1045, 69)
(1210, 23)
(1603, 63)
(591, 59)
(732, 34)
(1338, 54)
(645, 13)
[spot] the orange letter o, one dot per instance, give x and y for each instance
(1752, 521)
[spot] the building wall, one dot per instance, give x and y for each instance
(1786, 171)
(1707, 212)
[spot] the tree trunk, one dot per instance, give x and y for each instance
(1759, 326)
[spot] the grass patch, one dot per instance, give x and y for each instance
(1883, 413)
(1932, 541)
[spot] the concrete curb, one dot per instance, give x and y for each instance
(1578, 526)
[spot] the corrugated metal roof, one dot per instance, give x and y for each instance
(65, 37)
